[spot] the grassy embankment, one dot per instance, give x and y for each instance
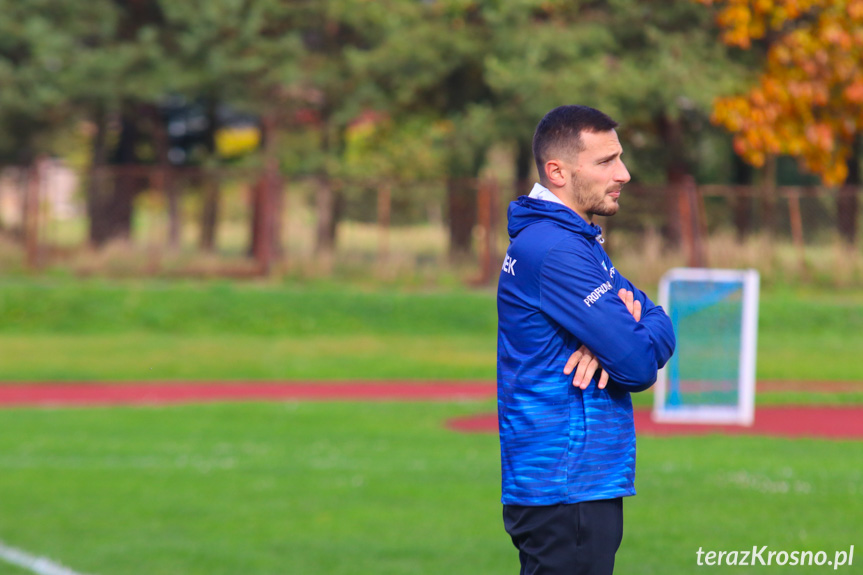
(103, 331)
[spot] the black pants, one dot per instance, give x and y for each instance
(576, 539)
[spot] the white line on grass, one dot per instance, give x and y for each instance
(38, 565)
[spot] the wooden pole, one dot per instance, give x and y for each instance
(285, 232)
(155, 194)
(796, 221)
(384, 213)
(262, 231)
(686, 231)
(209, 211)
(768, 198)
(267, 199)
(484, 222)
(700, 224)
(31, 218)
(692, 222)
(494, 216)
(172, 197)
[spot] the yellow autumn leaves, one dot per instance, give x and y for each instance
(808, 101)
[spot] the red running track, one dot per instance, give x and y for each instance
(94, 394)
(84, 393)
(844, 422)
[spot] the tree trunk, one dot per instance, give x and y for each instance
(462, 209)
(692, 223)
(267, 204)
(117, 216)
(172, 195)
(847, 201)
(31, 216)
(255, 200)
(211, 191)
(112, 205)
(525, 168)
(487, 200)
(324, 210)
(265, 238)
(209, 212)
(329, 204)
(385, 205)
(97, 188)
(277, 207)
(261, 248)
(677, 173)
(167, 179)
(847, 204)
(274, 184)
(742, 175)
(768, 197)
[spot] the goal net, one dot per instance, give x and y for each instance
(711, 376)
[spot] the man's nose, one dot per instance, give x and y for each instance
(622, 174)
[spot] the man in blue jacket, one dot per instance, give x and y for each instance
(574, 339)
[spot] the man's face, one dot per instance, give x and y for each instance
(597, 174)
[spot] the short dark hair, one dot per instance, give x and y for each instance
(560, 131)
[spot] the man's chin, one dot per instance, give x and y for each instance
(606, 209)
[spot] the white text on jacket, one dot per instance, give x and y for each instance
(596, 294)
(508, 265)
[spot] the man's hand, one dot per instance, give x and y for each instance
(632, 304)
(585, 363)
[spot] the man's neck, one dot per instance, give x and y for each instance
(541, 192)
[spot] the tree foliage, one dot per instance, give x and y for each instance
(808, 101)
(55, 56)
(443, 81)
(428, 60)
(647, 64)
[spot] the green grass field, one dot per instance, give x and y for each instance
(365, 488)
(94, 330)
(376, 488)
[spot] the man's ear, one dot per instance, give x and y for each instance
(555, 173)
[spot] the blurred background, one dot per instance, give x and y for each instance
(339, 138)
(279, 191)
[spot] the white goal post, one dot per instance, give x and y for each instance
(711, 376)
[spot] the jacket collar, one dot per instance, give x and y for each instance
(540, 192)
(543, 205)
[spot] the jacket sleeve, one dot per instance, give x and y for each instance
(578, 294)
(657, 322)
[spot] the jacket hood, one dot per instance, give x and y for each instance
(526, 211)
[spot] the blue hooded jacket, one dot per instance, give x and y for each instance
(557, 291)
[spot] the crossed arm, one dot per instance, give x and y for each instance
(584, 363)
(629, 351)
